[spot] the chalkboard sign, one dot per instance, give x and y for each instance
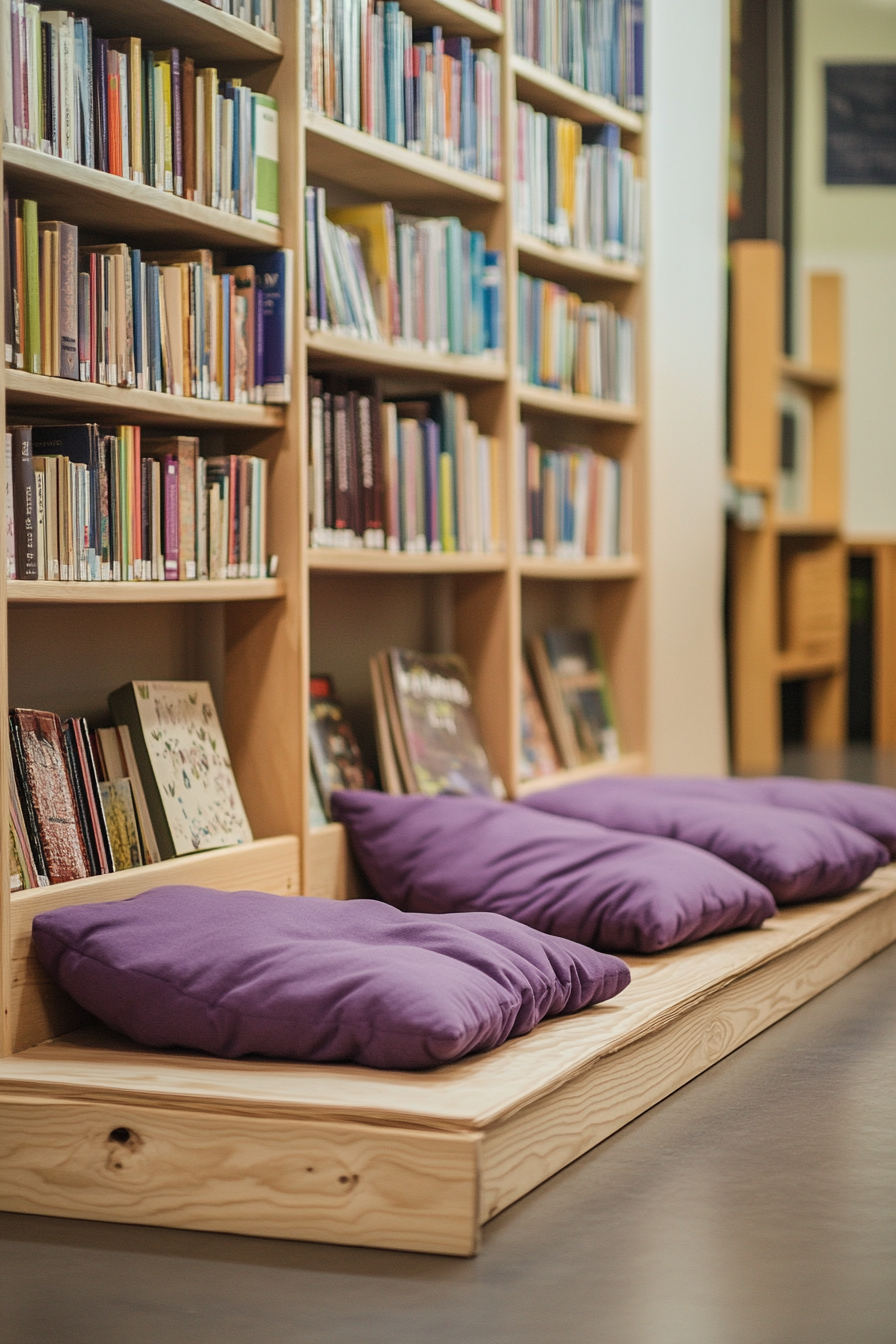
(861, 125)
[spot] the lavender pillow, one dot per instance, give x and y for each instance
(869, 807)
(799, 856)
(607, 889)
(244, 973)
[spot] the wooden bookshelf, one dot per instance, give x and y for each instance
(130, 405)
(592, 567)
(576, 406)
(328, 350)
(90, 199)
(785, 624)
(327, 561)
(81, 640)
(557, 97)
(633, 763)
(569, 265)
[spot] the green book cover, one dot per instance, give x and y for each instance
(266, 143)
(32, 287)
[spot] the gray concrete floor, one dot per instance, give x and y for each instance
(755, 1206)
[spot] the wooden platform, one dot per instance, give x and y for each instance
(91, 1127)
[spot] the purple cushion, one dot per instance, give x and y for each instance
(242, 973)
(798, 855)
(607, 889)
(869, 807)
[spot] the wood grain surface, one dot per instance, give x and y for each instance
(305, 1180)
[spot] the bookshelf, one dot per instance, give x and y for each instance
(66, 645)
(328, 610)
(787, 570)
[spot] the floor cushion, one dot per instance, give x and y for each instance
(607, 889)
(798, 855)
(869, 807)
(242, 973)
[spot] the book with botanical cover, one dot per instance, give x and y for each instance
(45, 788)
(335, 754)
(438, 727)
(538, 755)
(121, 823)
(182, 759)
(576, 694)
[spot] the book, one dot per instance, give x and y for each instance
(575, 693)
(575, 186)
(121, 823)
(437, 727)
(24, 502)
(116, 760)
(317, 817)
(601, 48)
(572, 502)
(335, 754)
(538, 754)
(426, 283)
(275, 280)
(141, 115)
(390, 775)
(42, 778)
(571, 345)
(371, 69)
(182, 760)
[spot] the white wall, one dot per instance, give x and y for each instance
(688, 83)
(852, 230)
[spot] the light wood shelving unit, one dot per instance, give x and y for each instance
(66, 645)
(787, 592)
(482, 606)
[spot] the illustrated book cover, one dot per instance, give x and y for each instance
(576, 694)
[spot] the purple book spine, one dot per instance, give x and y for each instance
(177, 117)
(172, 518)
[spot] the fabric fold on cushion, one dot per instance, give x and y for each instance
(604, 888)
(302, 978)
(798, 855)
(869, 807)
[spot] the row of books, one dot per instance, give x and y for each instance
(565, 343)
(84, 504)
(413, 476)
(260, 13)
(427, 732)
(598, 45)
(148, 116)
(85, 803)
(426, 283)
(159, 321)
(576, 186)
(367, 67)
(574, 503)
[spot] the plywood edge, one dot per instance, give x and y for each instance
(308, 1180)
(521, 1152)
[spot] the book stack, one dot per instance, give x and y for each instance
(573, 502)
(575, 695)
(148, 116)
(159, 321)
(427, 733)
(367, 67)
(598, 45)
(85, 504)
(411, 476)
(588, 348)
(83, 804)
(260, 13)
(576, 186)
(425, 283)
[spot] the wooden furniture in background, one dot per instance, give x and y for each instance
(787, 575)
(882, 553)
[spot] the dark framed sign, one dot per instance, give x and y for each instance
(860, 142)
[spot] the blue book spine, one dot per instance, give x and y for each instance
(155, 329)
(431, 468)
(638, 97)
(272, 277)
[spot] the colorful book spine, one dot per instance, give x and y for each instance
(598, 46)
(414, 476)
(89, 505)
(369, 68)
(573, 346)
(573, 503)
(145, 116)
